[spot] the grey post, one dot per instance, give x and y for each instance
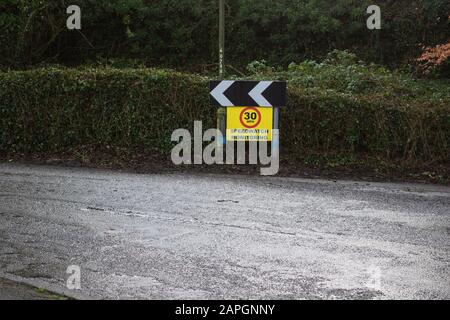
(222, 112)
(276, 121)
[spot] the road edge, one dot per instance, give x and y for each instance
(41, 284)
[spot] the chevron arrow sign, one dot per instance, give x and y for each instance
(230, 93)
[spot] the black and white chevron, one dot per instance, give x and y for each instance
(230, 93)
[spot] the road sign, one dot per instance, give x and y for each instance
(230, 93)
(249, 124)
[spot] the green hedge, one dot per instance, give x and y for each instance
(335, 123)
(54, 110)
(58, 110)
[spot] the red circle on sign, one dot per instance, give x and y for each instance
(257, 123)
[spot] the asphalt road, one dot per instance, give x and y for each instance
(178, 236)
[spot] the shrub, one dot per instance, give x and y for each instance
(54, 110)
(435, 60)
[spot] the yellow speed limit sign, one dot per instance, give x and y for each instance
(249, 124)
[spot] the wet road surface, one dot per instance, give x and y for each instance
(179, 236)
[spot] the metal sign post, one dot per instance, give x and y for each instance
(221, 38)
(250, 107)
(221, 112)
